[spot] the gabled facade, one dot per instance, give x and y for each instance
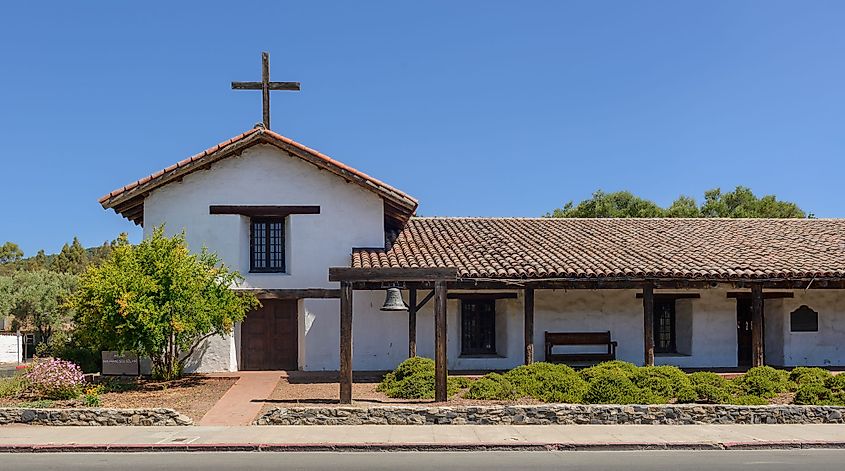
(284, 215)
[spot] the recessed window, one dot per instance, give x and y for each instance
(664, 326)
(478, 327)
(804, 319)
(267, 245)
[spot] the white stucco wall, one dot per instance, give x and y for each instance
(823, 348)
(11, 348)
(350, 216)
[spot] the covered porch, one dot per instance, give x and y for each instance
(640, 335)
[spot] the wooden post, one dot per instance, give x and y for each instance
(440, 359)
(757, 356)
(412, 323)
(265, 89)
(345, 374)
(528, 307)
(648, 324)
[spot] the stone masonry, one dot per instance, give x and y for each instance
(92, 417)
(683, 414)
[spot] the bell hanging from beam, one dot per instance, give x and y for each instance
(393, 300)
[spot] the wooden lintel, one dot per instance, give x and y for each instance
(670, 296)
(392, 274)
(469, 296)
(766, 294)
(306, 293)
(596, 284)
(262, 210)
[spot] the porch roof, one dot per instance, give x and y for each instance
(546, 248)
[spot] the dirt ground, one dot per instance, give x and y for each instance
(192, 395)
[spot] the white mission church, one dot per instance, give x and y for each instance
(321, 243)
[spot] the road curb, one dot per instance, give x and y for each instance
(399, 447)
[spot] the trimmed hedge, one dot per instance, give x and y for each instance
(619, 382)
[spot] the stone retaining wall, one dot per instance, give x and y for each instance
(682, 414)
(92, 417)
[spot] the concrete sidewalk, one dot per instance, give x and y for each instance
(419, 437)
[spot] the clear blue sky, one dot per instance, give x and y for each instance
(476, 108)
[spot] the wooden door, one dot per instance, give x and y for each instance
(269, 337)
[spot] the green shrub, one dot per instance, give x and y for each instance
(813, 393)
(686, 395)
(623, 367)
(492, 386)
(749, 400)
(803, 375)
(414, 379)
(711, 388)
(763, 381)
(613, 386)
(662, 381)
(548, 382)
(836, 383)
(13, 386)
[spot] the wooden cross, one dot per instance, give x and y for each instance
(265, 85)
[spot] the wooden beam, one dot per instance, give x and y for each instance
(766, 295)
(345, 372)
(412, 323)
(757, 355)
(670, 296)
(286, 86)
(425, 300)
(648, 325)
(306, 293)
(440, 358)
(528, 310)
(482, 296)
(391, 274)
(262, 210)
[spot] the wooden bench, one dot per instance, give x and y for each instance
(554, 339)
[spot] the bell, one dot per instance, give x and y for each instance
(393, 301)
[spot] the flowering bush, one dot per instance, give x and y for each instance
(52, 378)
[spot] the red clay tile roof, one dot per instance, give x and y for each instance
(512, 248)
(128, 200)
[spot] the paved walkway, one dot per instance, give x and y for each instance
(419, 437)
(244, 400)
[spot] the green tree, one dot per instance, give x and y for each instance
(740, 203)
(72, 259)
(619, 204)
(37, 300)
(10, 252)
(158, 299)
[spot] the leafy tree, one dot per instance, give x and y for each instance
(37, 300)
(158, 299)
(740, 203)
(610, 205)
(72, 259)
(10, 252)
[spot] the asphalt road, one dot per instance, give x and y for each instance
(769, 460)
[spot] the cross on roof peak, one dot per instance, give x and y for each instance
(265, 85)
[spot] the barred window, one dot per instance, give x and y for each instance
(664, 326)
(267, 245)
